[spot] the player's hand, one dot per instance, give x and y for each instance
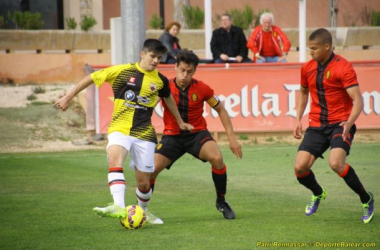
(236, 148)
(186, 126)
(346, 129)
(297, 131)
(62, 103)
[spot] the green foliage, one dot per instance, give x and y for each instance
(87, 23)
(262, 189)
(194, 16)
(155, 22)
(243, 137)
(2, 21)
(242, 18)
(31, 97)
(38, 90)
(26, 20)
(71, 23)
(375, 18)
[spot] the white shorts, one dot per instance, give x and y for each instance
(142, 152)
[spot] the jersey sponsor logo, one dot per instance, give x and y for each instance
(328, 74)
(132, 81)
(149, 167)
(135, 106)
(143, 99)
(129, 95)
(194, 97)
(152, 86)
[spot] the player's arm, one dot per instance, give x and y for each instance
(63, 103)
(303, 98)
(172, 106)
(356, 96)
(227, 124)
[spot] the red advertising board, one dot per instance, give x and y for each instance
(256, 97)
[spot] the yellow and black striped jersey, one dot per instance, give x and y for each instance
(136, 93)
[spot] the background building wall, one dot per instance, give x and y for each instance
(285, 11)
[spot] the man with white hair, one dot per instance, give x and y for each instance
(266, 40)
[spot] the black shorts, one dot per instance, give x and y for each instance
(318, 140)
(174, 146)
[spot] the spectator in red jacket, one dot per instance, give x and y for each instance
(266, 40)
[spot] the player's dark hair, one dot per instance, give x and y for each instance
(154, 45)
(188, 57)
(322, 36)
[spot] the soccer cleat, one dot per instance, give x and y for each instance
(226, 209)
(112, 210)
(368, 210)
(314, 203)
(152, 219)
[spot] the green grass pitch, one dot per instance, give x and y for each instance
(46, 202)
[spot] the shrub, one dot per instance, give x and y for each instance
(71, 23)
(38, 90)
(87, 23)
(243, 18)
(31, 97)
(26, 20)
(375, 18)
(155, 22)
(194, 16)
(2, 21)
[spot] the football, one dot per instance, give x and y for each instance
(135, 219)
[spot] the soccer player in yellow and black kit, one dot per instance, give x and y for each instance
(136, 87)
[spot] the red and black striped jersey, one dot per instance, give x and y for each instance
(190, 102)
(328, 84)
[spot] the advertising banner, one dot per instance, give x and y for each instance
(258, 98)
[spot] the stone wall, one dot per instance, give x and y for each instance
(61, 55)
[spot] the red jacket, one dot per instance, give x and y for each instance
(255, 41)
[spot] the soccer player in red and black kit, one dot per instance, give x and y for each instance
(336, 103)
(190, 95)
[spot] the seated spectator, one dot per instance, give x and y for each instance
(171, 42)
(266, 40)
(228, 43)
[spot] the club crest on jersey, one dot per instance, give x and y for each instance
(152, 86)
(129, 95)
(194, 97)
(132, 80)
(328, 74)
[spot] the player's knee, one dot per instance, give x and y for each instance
(300, 168)
(143, 184)
(336, 165)
(113, 161)
(217, 160)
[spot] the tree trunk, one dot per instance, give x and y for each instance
(178, 14)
